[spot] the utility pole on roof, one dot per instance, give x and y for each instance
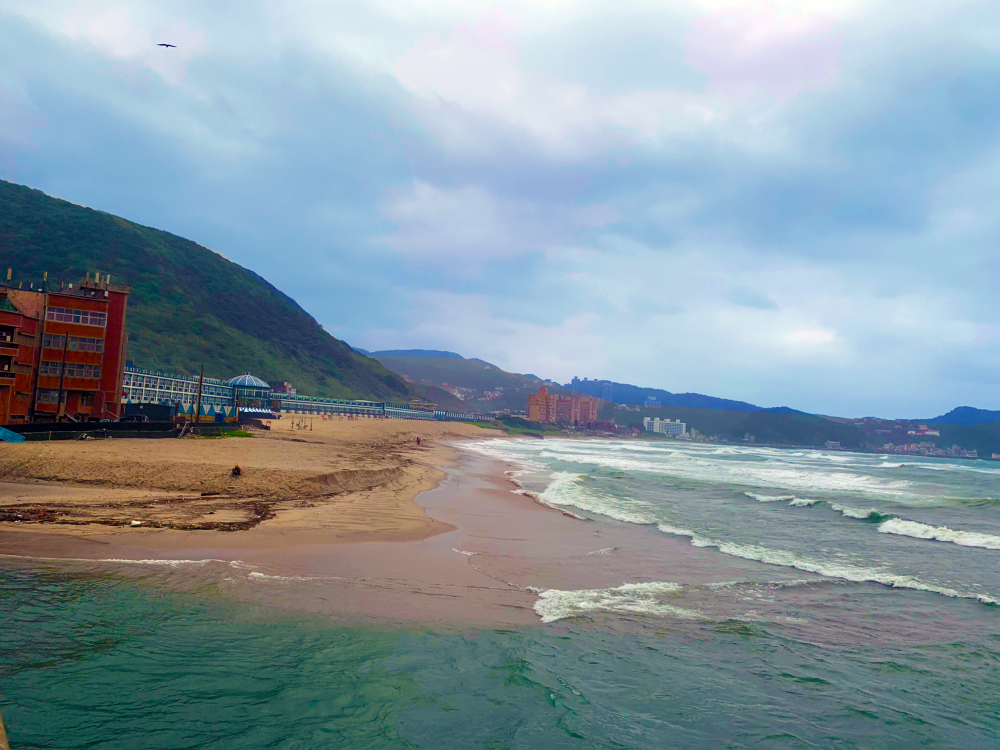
(197, 408)
(60, 406)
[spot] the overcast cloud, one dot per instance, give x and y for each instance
(781, 202)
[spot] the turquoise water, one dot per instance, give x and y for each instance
(105, 662)
(102, 656)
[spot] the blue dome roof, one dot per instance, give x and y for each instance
(248, 381)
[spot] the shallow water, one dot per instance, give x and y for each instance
(661, 643)
(923, 524)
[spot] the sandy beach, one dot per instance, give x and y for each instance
(334, 507)
(340, 479)
(351, 518)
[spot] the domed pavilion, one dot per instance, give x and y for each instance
(250, 390)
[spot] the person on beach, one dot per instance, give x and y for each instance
(237, 471)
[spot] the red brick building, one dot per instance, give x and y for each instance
(549, 407)
(62, 353)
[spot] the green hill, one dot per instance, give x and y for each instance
(766, 427)
(189, 305)
(984, 438)
(474, 374)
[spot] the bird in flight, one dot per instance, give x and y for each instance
(166, 45)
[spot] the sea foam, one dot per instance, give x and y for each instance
(862, 514)
(640, 598)
(939, 534)
(569, 489)
(830, 569)
(768, 498)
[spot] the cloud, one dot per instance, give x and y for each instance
(772, 201)
(463, 227)
(745, 297)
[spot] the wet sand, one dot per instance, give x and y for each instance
(340, 478)
(484, 564)
(489, 551)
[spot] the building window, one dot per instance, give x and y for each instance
(76, 343)
(48, 396)
(91, 372)
(51, 368)
(81, 317)
(86, 399)
(80, 344)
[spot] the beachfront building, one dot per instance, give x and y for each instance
(250, 396)
(554, 409)
(218, 400)
(62, 352)
(250, 391)
(674, 428)
(285, 388)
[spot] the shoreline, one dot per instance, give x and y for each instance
(345, 479)
(488, 554)
(426, 575)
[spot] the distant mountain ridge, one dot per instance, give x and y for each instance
(964, 415)
(189, 305)
(483, 386)
(625, 393)
(432, 353)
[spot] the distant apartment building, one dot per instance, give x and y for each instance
(652, 402)
(550, 407)
(62, 353)
(665, 426)
(603, 389)
(284, 388)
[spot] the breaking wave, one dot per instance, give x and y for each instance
(768, 498)
(939, 534)
(640, 598)
(829, 569)
(862, 514)
(570, 489)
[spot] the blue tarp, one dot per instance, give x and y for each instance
(10, 437)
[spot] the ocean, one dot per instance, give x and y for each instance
(740, 597)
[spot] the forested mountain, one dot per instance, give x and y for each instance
(767, 427)
(189, 305)
(965, 415)
(488, 386)
(429, 353)
(624, 393)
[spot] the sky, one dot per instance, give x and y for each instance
(783, 202)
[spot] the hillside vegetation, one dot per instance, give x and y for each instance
(189, 305)
(964, 415)
(624, 393)
(766, 427)
(474, 374)
(432, 353)
(984, 438)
